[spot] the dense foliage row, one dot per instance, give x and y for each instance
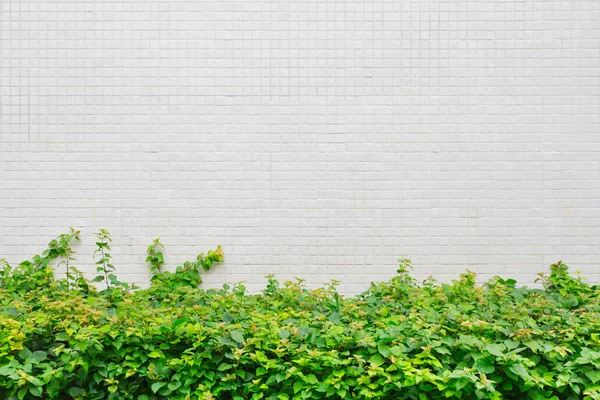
(67, 339)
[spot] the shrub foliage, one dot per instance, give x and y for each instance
(67, 339)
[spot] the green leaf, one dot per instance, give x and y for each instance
(298, 386)
(237, 335)
(461, 383)
(495, 349)
(376, 360)
(511, 344)
(36, 391)
(25, 353)
(224, 367)
(572, 301)
(39, 355)
(227, 317)
(179, 321)
(533, 345)
(156, 386)
(384, 350)
(284, 333)
(76, 391)
(5, 370)
(593, 375)
(519, 369)
(397, 350)
(13, 312)
(484, 365)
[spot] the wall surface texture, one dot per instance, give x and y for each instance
(320, 139)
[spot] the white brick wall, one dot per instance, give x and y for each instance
(321, 139)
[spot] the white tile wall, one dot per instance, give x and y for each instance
(321, 139)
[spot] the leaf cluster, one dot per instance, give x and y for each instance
(398, 340)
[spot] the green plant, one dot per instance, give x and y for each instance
(104, 265)
(68, 257)
(38, 271)
(155, 256)
(565, 288)
(4, 269)
(185, 277)
(398, 340)
(107, 269)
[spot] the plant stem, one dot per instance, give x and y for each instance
(105, 267)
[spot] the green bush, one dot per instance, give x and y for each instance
(66, 339)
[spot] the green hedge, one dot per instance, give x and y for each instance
(64, 339)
